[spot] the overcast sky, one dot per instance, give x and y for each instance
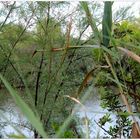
(135, 8)
(122, 3)
(116, 5)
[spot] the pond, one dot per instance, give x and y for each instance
(12, 114)
(93, 112)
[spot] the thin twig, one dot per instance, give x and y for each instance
(103, 128)
(12, 7)
(15, 43)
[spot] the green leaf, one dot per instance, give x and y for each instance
(110, 52)
(34, 120)
(107, 23)
(16, 136)
(91, 20)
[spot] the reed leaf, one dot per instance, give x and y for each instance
(91, 21)
(107, 23)
(34, 120)
(13, 136)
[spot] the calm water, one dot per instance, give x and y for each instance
(93, 111)
(12, 113)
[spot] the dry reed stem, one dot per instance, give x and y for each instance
(130, 54)
(124, 98)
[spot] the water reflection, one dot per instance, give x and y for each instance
(94, 112)
(13, 114)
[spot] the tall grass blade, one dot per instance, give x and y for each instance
(13, 136)
(34, 120)
(107, 23)
(70, 117)
(91, 21)
(64, 126)
(111, 53)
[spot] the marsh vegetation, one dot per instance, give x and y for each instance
(57, 58)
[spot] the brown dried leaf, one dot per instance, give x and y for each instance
(69, 27)
(135, 133)
(74, 99)
(130, 54)
(87, 78)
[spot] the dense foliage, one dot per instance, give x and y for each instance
(52, 69)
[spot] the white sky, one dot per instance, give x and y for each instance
(135, 6)
(121, 3)
(116, 5)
